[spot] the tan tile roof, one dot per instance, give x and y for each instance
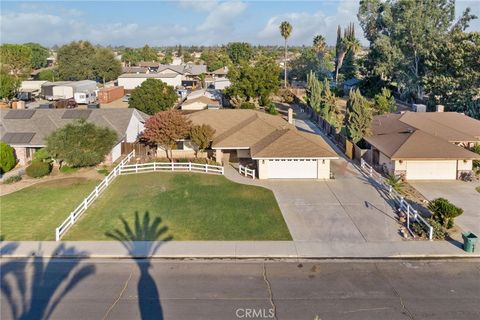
(260, 131)
(288, 143)
(425, 135)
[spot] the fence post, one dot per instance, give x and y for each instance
(136, 167)
(222, 171)
(72, 218)
(189, 166)
(389, 189)
(154, 166)
(57, 234)
(371, 171)
(430, 233)
(85, 206)
(206, 168)
(96, 192)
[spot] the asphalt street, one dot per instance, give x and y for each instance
(159, 289)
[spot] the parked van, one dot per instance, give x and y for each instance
(85, 97)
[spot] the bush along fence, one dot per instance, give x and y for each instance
(411, 214)
(124, 168)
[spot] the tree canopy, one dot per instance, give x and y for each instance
(105, 66)
(7, 157)
(359, 116)
(152, 96)
(8, 85)
(16, 59)
(39, 55)
(166, 128)
(202, 136)
(81, 143)
(239, 51)
(215, 58)
(254, 82)
(402, 34)
(76, 61)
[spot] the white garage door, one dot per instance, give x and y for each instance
(432, 170)
(293, 168)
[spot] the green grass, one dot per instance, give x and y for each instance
(192, 207)
(478, 189)
(33, 213)
(67, 169)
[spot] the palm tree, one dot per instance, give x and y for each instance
(285, 31)
(319, 44)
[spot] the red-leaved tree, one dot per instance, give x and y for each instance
(165, 128)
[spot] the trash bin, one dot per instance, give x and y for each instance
(469, 240)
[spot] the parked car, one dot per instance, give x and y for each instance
(126, 98)
(66, 104)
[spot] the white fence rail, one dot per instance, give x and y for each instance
(246, 171)
(75, 214)
(123, 168)
(403, 205)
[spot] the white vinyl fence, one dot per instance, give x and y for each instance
(246, 172)
(403, 205)
(123, 168)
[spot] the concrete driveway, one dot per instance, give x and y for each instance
(462, 194)
(347, 209)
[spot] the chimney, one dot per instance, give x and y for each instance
(290, 115)
(440, 107)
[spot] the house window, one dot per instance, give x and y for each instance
(179, 145)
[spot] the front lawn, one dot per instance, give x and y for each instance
(192, 206)
(33, 213)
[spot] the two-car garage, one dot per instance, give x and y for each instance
(292, 168)
(431, 170)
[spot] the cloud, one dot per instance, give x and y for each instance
(199, 5)
(307, 25)
(221, 17)
(50, 29)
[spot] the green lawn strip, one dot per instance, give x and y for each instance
(192, 207)
(33, 213)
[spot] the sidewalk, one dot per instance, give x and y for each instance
(235, 249)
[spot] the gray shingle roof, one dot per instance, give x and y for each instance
(45, 121)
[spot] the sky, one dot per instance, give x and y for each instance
(186, 22)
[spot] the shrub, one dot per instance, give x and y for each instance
(38, 169)
(271, 109)
(478, 189)
(68, 169)
(287, 96)
(444, 212)
(42, 155)
(439, 232)
(12, 179)
(395, 182)
(7, 157)
(247, 105)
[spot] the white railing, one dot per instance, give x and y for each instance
(403, 205)
(123, 168)
(171, 166)
(246, 171)
(75, 214)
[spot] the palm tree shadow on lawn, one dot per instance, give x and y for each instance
(144, 238)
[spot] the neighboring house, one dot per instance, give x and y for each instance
(272, 145)
(425, 145)
(132, 80)
(26, 130)
(150, 65)
(220, 80)
(134, 69)
(200, 103)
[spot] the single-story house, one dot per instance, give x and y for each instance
(269, 143)
(200, 103)
(26, 130)
(424, 145)
(132, 80)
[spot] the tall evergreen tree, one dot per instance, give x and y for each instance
(359, 116)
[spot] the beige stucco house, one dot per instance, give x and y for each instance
(424, 145)
(269, 144)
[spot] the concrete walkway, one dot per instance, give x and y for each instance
(236, 249)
